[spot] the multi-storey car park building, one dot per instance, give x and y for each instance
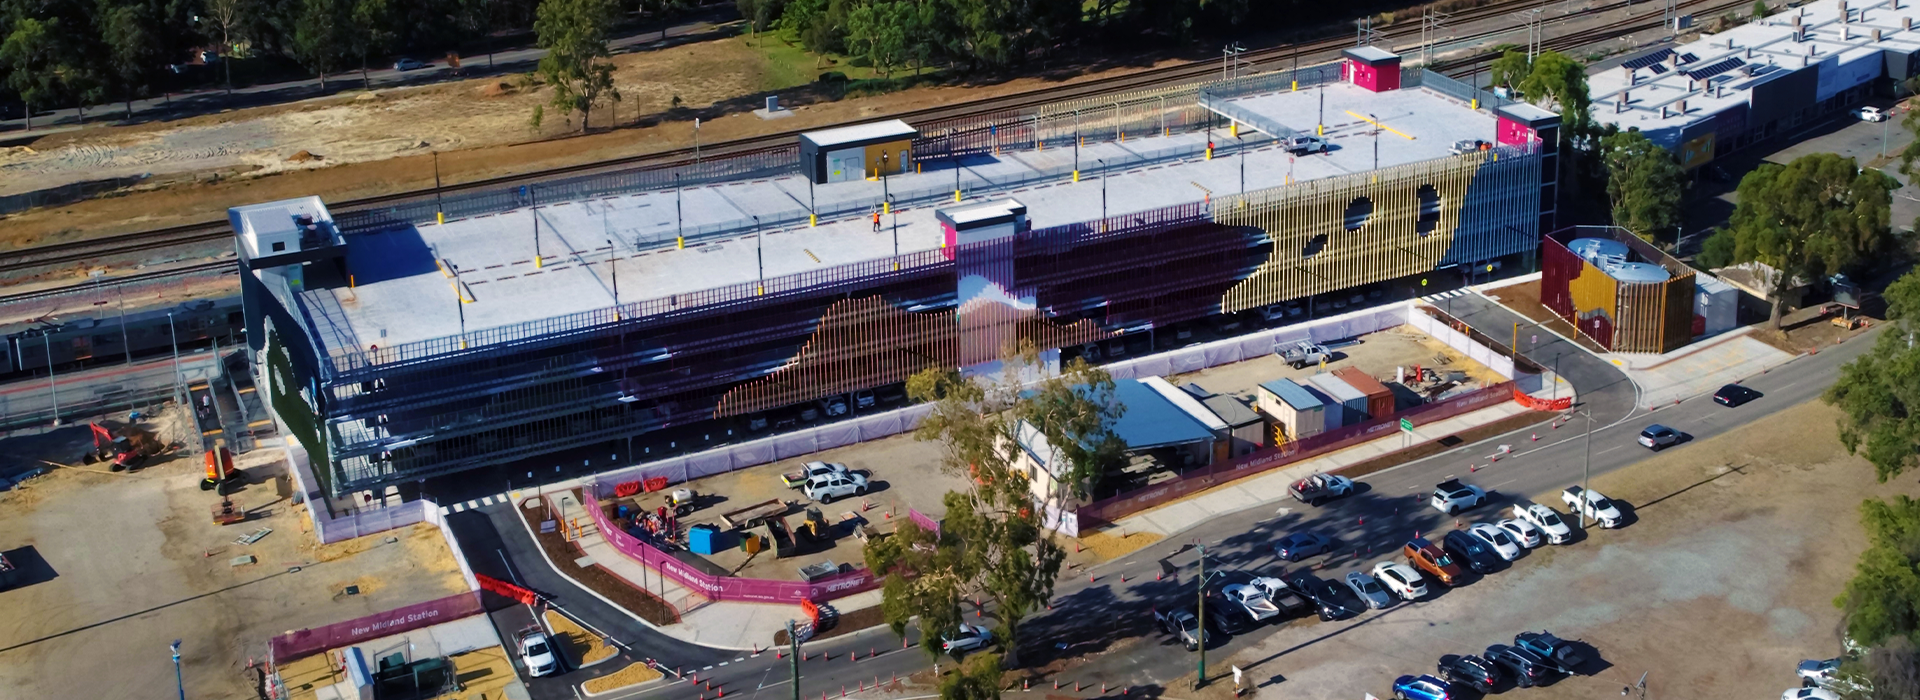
(400, 349)
(1724, 91)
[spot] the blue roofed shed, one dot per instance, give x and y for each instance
(1299, 413)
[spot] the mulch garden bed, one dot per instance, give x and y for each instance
(841, 624)
(597, 578)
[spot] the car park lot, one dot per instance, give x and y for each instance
(1711, 552)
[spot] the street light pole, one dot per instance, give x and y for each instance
(47, 339)
(759, 254)
(1103, 191)
(175, 340)
(178, 682)
(1586, 467)
(614, 269)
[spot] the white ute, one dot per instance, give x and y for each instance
(1593, 505)
(1255, 602)
(827, 488)
(1546, 520)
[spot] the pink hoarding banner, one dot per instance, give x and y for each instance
(307, 642)
(730, 588)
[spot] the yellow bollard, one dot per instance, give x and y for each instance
(1319, 130)
(813, 220)
(886, 207)
(536, 262)
(1296, 86)
(440, 217)
(1233, 129)
(956, 196)
(1076, 176)
(1209, 153)
(1476, 103)
(680, 242)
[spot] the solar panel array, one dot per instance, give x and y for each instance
(1688, 58)
(1715, 69)
(1651, 60)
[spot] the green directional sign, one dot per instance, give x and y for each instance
(1406, 425)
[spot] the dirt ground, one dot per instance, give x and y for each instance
(1377, 354)
(117, 566)
(368, 143)
(1750, 543)
(904, 475)
(901, 473)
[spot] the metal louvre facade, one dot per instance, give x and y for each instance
(496, 396)
(1342, 232)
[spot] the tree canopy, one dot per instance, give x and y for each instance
(1552, 80)
(1817, 215)
(577, 66)
(1879, 392)
(1645, 185)
(992, 547)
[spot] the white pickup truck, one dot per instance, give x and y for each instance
(827, 488)
(1593, 505)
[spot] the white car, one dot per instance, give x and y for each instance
(1400, 579)
(1592, 504)
(1451, 496)
(1826, 674)
(1522, 532)
(827, 488)
(1870, 114)
(1501, 542)
(537, 653)
(1255, 602)
(1809, 694)
(1547, 520)
(967, 638)
(407, 64)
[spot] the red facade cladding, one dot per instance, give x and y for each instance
(1515, 133)
(1376, 78)
(1599, 328)
(1558, 268)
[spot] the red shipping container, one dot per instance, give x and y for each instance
(1379, 398)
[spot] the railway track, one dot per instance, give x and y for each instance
(1308, 53)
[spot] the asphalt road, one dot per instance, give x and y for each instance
(1604, 390)
(496, 544)
(1090, 616)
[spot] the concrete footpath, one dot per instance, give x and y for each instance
(1271, 487)
(1699, 368)
(714, 623)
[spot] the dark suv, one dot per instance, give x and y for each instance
(1475, 552)
(1525, 667)
(1469, 670)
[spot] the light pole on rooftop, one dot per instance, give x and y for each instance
(1376, 139)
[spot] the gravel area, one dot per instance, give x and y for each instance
(1748, 537)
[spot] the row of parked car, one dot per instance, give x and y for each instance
(1533, 658)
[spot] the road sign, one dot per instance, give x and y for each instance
(1406, 425)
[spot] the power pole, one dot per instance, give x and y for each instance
(1200, 681)
(1586, 468)
(793, 660)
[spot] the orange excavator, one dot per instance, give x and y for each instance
(124, 449)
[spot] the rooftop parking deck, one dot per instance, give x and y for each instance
(403, 285)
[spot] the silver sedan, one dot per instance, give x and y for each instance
(1369, 590)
